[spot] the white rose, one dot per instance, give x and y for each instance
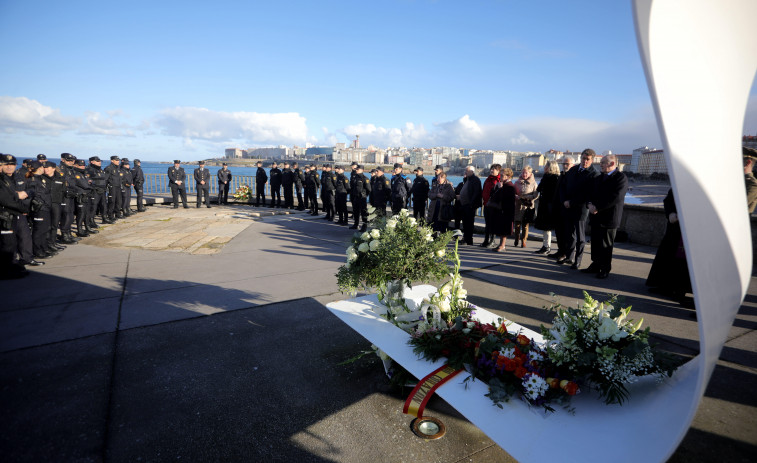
(445, 290)
(404, 213)
(365, 236)
(440, 253)
(607, 328)
(444, 305)
(375, 233)
(374, 245)
(391, 223)
(363, 247)
(411, 220)
(352, 257)
(461, 293)
(430, 237)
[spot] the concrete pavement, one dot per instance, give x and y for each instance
(129, 354)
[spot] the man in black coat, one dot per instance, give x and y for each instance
(419, 190)
(605, 211)
(261, 178)
(381, 192)
(574, 195)
(202, 182)
(275, 173)
(13, 203)
(177, 179)
(138, 177)
(312, 183)
(328, 188)
(287, 183)
(470, 200)
(558, 208)
(299, 181)
(224, 182)
(360, 186)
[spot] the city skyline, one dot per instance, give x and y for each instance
(152, 80)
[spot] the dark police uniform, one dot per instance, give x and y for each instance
(419, 190)
(97, 201)
(342, 190)
(400, 192)
(260, 180)
(69, 206)
(23, 229)
(57, 195)
(138, 178)
(312, 182)
(359, 189)
(224, 182)
(201, 174)
(10, 208)
(82, 189)
(287, 182)
(299, 181)
(381, 193)
(328, 187)
(127, 181)
(177, 174)
(41, 205)
(275, 187)
(113, 185)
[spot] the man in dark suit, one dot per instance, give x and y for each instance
(224, 182)
(605, 210)
(202, 181)
(578, 186)
(176, 178)
(470, 200)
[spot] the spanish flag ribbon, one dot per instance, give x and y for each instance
(425, 388)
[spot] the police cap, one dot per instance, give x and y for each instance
(37, 164)
(176, 161)
(202, 163)
(379, 169)
(8, 160)
(397, 164)
(41, 157)
(353, 164)
(438, 167)
(125, 160)
(50, 164)
(418, 169)
(68, 157)
(79, 162)
(115, 158)
(137, 161)
(338, 167)
(359, 167)
(373, 171)
(94, 158)
(27, 162)
(327, 165)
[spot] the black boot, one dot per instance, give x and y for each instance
(91, 224)
(90, 230)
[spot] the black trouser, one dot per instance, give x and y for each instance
(341, 206)
(300, 204)
(177, 190)
(82, 207)
(203, 190)
(312, 195)
(380, 209)
(67, 214)
(469, 215)
(260, 192)
(41, 231)
(288, 197)
(419, 208)
(276, 196)
(8, 245)
(602, 244)
(360, 210)
(575, 240)
(54, 223)
(140, 190)
(23, 238)
(96, 204)
(306, 199)
(327, 196)
(397, 205)
(114, 200)
(223, 193)
(126, 199)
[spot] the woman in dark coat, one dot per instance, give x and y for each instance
(440, 206)
(546, 217)
(501, 207)
(669, 274)
(486, 193)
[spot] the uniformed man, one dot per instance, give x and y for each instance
(353, 167)
(372, 181)
(113, 188)
(82, 188)
(419, 191)
(312, 183)
(69, 206)
(305, 175)
(328, 187)
(342, 189)
(177, 180)
(287, 183)
(38, 188)
(400, 189)
(25, 246)
(97, 201)
(275, 174)
(202, 182)
(224, 182)
(381, 192)
(57, 193)
(12, 204)
(127, 182)
(299, 181)
(359, 189)
(138, 178)
(261, 178)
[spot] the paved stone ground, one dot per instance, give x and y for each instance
(132, 354)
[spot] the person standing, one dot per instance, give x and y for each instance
(578, 185)
(202, 182)
(275, 174)
(127, 181)
(312, 183)
(437, 170)
(486, 191)
(305, 175)
(138, 177)
(502, 205)
(470, 200)
(177, 179)
(750, 156)
(342, 189)
(328, 187)
(57, 193)
(97, 201)
(524, 212)
(299, 181)
(41, 203)
(545, 215)
(82, 187)
(561, 214)
(605, 211)
(13, 203)
(287, 183)
(69, 206)
(359, 189)
(224, 182)
(440, 205)
(261, 178)
(400, 189)
(419, 192)
(381, 192)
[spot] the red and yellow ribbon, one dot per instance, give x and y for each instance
(425, 388)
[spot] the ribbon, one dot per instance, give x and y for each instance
(425, 388)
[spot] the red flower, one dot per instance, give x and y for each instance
(554, 383)
(520, 372)
(523, 340)
(510, 364)
(569, 386)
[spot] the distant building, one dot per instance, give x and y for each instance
(536, 161)
(652, 161)
(395, 159)
(634, 167)
(280, 152)
(624, 160)
(487, 158)
(233, 153)
(324, 153)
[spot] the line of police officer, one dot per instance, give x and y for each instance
(41, 199)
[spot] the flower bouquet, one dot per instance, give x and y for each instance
(597, 343)
(243, 193)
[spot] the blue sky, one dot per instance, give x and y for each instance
(158, 79)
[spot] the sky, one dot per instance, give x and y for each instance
(161, 79)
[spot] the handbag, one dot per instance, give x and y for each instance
(529, 215)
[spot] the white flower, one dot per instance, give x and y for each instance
(363, 247)
(430, 237)
(350, 250)
(404, 213)
(370, 208)
(607, 328)
(619, 335)
(365, 236)
(374, 245)
(391, 223)
(466, 330)
(470, 324)
(440, 253)
(375, 233)
(347, 265)
(461, 293)
(508, 352)
(445, 290)
(351, 255)
(444, 305)
(412, 221)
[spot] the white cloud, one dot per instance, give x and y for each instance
(97, 124)
(23, 114)
(249, 127)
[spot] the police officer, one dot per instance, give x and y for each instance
(359, 189)
(328, 188)
(69, 206)
(342, 186)
(12, 204)
(312, 182)
(97, 201)
(261, 178)
(372, 181)
(202, 182)
(177, 179)
(419, 190)
(400, 189)
(113, 188)
(82, 188)
(287, 183)
(127, 181)
(57, 197)
(275, 173)
(305, 175)
(299, 181)
(138, 178)
(224, 182)
(38, 188)
(353, 167)
(381, 192)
